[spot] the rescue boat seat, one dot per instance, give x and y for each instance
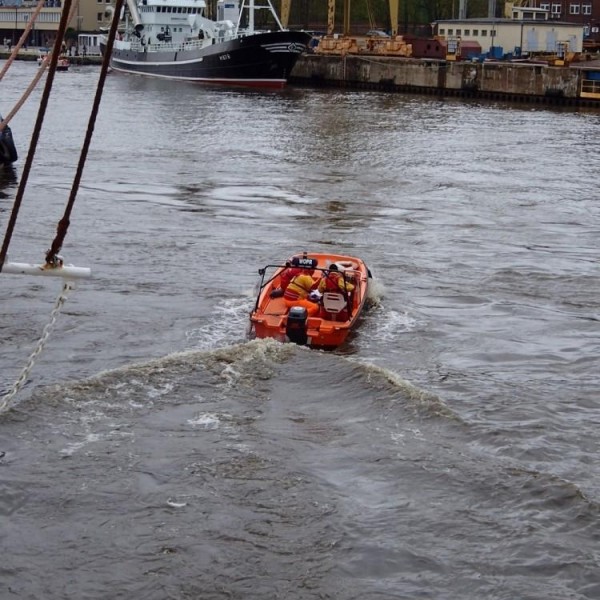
(333, 302)
(276, 306)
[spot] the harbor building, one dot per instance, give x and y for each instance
(527, 31)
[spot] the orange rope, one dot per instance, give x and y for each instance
(61, 230)
(40, 71)
(22, 39)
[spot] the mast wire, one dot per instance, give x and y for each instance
(63, 225)
(15, 51)
(64, 19)
(35, 79)
(52, 256)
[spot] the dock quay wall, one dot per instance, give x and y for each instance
(516, 82)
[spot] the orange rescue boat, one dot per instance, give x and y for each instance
(338, 307)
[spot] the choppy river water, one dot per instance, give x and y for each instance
(450, 450)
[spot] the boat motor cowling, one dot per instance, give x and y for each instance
(296, 325)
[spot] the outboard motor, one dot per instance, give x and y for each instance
(296, 325)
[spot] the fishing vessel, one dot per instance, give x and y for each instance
(8, 152)
(339, 293)
(176, 39)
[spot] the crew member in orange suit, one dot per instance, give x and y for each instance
(334, 281)
(299, 288)
(292, 271)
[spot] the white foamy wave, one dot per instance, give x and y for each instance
(73, 447)
(375, 292)
(391, 323)
(175, 504)
(206, 420)
(228, 325)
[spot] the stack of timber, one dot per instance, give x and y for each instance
(340, 46)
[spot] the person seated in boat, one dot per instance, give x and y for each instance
(334, 281)
(297, 292)
(292, 269)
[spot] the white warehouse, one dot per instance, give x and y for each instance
(528, 31)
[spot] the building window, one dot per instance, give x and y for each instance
(467, 32)
(458, 31)
(450, 31)
(556, 9)
(586, 9)
(442, 31)
(484, 33)
(545, 7)
(100, 16)
(574, 9)
(475, 32)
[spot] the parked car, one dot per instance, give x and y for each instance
(377, 33)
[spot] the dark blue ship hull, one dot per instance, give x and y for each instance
(261, 59)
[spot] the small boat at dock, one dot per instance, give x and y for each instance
(338, 291)
(62, 64)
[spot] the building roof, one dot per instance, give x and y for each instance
(502, 21)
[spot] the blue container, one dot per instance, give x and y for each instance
(496, 52)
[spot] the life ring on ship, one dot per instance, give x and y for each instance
(8, 152)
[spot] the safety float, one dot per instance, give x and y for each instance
(8, 152)
(338, 307)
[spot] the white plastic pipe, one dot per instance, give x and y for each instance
(66, 271)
